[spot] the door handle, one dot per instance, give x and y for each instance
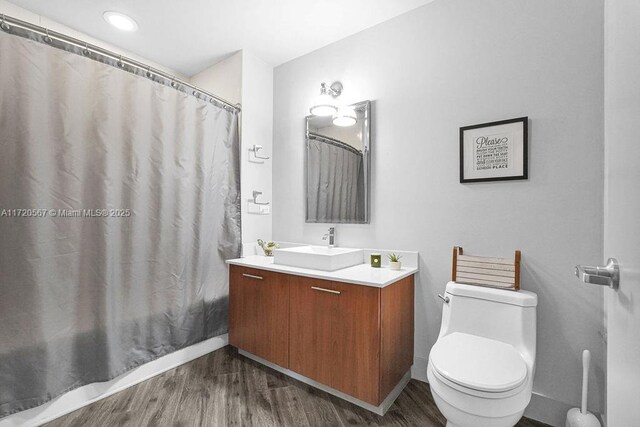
(609, 275)
(252, 276)
(325, 290)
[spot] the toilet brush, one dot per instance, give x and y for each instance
(580, 417)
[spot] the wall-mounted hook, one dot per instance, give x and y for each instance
(255, 150)
(255, 198)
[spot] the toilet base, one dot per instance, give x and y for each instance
(457, 418)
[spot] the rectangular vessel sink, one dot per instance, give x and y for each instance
(318, 257)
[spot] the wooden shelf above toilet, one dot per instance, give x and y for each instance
(486, 271)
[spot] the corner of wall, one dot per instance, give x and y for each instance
(223, 78)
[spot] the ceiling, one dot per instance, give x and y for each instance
(190, 35)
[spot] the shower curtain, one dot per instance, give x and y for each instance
(119, 203)
(335, 183)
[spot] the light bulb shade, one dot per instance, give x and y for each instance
(120, 21)
(345, 117)
(324, 106)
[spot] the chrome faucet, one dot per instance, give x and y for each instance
(331, 235)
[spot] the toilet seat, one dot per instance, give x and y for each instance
(478, 365)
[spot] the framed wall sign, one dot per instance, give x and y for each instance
(495, 151)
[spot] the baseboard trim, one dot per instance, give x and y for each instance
(380, 409)
(547, 410)
(419, 369)
(93, 392)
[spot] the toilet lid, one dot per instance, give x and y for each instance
(478, 363)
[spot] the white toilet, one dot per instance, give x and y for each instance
(481, 367)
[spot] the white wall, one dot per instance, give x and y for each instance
(448, 64)
(246, 79)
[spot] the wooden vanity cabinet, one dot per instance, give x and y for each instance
(356, 339)
(259, 313)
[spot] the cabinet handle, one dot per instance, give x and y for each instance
(252, 276)
(325, 290)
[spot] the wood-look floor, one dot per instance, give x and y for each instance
(224, 388)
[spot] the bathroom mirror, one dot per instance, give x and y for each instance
(338, 166)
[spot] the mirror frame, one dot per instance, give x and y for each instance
(364, 106)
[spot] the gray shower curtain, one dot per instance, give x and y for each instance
(335, 183)
(119, 203)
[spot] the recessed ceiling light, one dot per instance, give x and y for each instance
(120, 21)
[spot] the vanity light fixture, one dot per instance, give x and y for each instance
(345, 117)
(325, 104)
(120, 21)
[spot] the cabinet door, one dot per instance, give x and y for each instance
(259, 313)
(357, 331)
(335, 335)
(312, 316)
(396, 337)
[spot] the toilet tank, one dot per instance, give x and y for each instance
(504, 315)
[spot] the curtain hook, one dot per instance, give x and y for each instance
(4, 25)
(86, 51)
(173, 83)
(47, 39)
(120, 63)
(149, 73)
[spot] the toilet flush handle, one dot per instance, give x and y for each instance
(445, 299)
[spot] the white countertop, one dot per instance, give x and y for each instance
(361, 274)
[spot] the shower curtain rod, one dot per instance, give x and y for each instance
(333, 141)
(30, 31)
